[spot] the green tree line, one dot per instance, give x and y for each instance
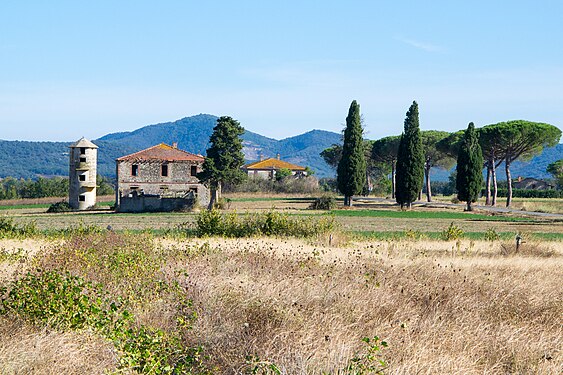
(11, 188)
(406, 160)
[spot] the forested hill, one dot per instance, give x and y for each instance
(32, 159)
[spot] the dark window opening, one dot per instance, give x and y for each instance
(82, 198)
(82, 177)
(82, 150)
(83, 159)
(193, 170)
(164, 170)
(134, 170)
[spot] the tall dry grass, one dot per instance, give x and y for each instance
(444, 307)
(306, 309)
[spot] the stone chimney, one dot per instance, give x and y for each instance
(175, 145)
(278, 156)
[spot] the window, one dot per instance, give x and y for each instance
(82, 198)
(83, 159)
(193, 170)
(82, 150)
(134, 170)
(164, 170)
(82, 177)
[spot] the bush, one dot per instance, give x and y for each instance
(67, 302)
(453, 232)
(528, 193)
(326, 202)
(8, 229)
(288, 185)
(59, 207)
(271, 223)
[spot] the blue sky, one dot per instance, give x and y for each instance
(75, 68)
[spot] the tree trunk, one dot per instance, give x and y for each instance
(420, 195)
(428, 189)
(393, 174)
(469, 207)
(494, 177)
(215, 196)
(488, 184)
(350, 201)
(509, 183)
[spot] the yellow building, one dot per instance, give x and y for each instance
(268, 168)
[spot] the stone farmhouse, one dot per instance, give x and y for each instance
(267, 168)
(159, 178)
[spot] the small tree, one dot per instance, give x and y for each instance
(469, 168)
(282, 173)
(351, 171)
(224, 157)
(434, 156)
(410, 160)
(556, 170)
(522, 140)
(385, 151)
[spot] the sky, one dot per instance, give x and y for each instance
(87, 68)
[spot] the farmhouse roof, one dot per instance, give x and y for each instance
(83, 142)
(162, 152)
(273, 163)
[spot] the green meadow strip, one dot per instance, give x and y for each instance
(426, 215)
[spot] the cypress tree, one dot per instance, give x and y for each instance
(224, 157)
(469, 168)
(351, 171)
(410, 160)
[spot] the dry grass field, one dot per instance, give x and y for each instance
(282, 305)
(297, 307)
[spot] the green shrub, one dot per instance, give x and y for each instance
(271, 223)
(67, 302)
(453, 232)
(370, 362)
(8, 229)
(528, 193)
(59, 207)
(492, 235)
(326, 202)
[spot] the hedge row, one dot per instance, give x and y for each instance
(525, 193)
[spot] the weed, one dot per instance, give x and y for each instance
(67, 302)
(369, 362)
(8, 229)
(453, 232)
(492, 235)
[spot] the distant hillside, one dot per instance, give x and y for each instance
(32, 159)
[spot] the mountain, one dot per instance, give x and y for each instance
(32, 159)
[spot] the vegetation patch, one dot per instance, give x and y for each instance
(271, 223)
(428, 215)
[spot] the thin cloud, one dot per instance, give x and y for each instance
(421, 45)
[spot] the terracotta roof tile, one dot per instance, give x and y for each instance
(162, 152)
(273, 163)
